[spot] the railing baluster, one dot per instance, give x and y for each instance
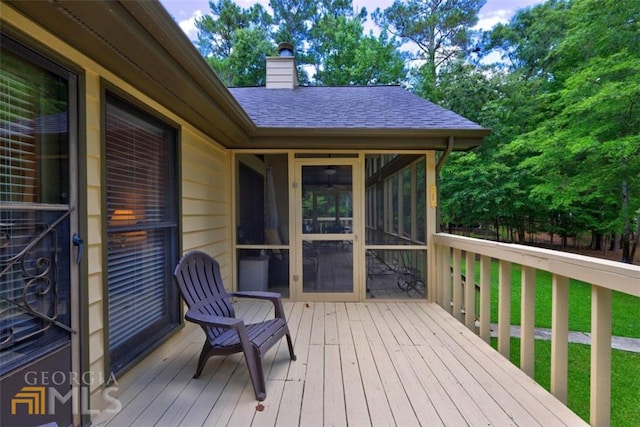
(470, 291)
(437, 295)
(485, 298)
(445, 271)
(528, 321)
(446, 274)
(559, 336)
(457, 286)
(504, 309)
(600, 356)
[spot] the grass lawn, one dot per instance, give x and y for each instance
(625, 379)
(625, 308)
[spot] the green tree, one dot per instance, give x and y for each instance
(335, 39)
(235, 42)
(440, 30)
(378, 61)
(527, 43)
(511, 102)
(248, 59)
(293, 19)
(344, 56)
(586, 148)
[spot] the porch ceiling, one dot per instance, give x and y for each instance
(141, 43)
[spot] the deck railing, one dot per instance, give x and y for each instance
(458, 296)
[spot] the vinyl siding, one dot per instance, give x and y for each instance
(205, 185)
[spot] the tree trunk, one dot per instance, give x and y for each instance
(636, 241)
(596, 240)
(625, 239)
(520, 229)
(625, 242)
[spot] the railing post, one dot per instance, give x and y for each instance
(504, 309)
(528, 321)
(600, 356)
(470, 291)
(559, 336)
(485, 298)
(457, 286)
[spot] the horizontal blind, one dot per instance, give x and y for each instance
(17, 182)
(138, 225)
(18, 172)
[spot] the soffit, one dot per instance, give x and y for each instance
(140, 43)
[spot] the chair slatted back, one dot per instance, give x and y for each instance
(200, 283)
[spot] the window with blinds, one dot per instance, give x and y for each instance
(142, 231)
(34, 139)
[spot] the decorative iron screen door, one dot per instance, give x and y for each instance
(36, 222)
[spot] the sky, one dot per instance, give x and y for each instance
(493, 12)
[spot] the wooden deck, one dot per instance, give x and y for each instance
(359, 364)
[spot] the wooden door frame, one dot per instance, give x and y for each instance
(296, 289)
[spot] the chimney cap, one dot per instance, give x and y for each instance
(285, 49)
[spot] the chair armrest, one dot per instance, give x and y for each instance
(212, 321)
(274, 297)
(271, 296)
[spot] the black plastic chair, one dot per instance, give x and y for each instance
(200, 283)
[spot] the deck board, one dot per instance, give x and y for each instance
(335, 413)
(355, 400)
(479, 381)
(530, 395)
(397, 398)
(387, 363)
(312, 410)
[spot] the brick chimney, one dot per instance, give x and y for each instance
(281, 69)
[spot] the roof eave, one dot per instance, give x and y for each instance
(366, 138)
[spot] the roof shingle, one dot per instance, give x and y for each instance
(346, 107)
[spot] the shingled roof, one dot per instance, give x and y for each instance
(346, 107)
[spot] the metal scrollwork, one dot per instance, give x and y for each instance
(37, 296)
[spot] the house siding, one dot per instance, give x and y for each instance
(206, 199)
(205, 169)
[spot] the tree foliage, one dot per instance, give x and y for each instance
(565, 123)
(328, 38)
(439, 30)
(235, 43)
